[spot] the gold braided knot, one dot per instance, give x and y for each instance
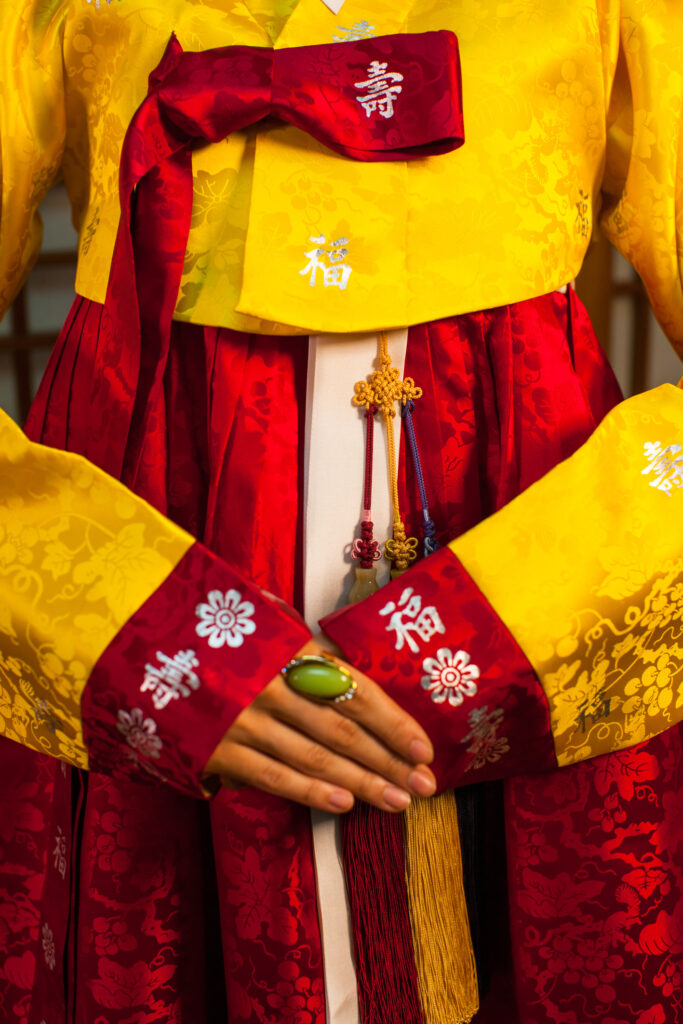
(385, 388)
(399, 549)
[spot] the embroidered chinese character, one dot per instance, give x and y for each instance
(381, 90)
(59, 852)
(90, 232)
(409, 617)
(360, 30)
(335, 272)
(485, 744)
(583, 223)
(173, 679)
(43, 713)
(665, 466)
(594, 708)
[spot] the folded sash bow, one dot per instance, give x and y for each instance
(195, 99)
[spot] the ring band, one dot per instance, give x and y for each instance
(319, 676)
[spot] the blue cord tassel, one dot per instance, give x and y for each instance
(431, 544)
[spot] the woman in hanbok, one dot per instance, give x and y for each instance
(324, 308)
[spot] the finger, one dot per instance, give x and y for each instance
(395, 727)
(300, 751)
(375, 710)
(246, 767)
(338, 733)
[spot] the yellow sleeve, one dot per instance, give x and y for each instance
(32, 130)
(642, 211)
(115, 654)
(79, 554)
(585, 568)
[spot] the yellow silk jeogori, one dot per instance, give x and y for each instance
(572, 111)
(586, 570)
(79, 554)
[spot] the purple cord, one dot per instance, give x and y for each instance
(431, 544)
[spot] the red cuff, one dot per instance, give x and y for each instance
(438, 648)
(173, 680)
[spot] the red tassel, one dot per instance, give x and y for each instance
(372, 843)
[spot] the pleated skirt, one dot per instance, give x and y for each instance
(124, 903)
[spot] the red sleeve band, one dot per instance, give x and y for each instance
(438, 648)
(172, 681)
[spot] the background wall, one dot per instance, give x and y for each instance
(49, 293)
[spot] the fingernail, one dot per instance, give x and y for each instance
(396, 798)
(419, 751)
(422, 782)
(340, 800)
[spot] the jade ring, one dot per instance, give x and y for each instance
(320, 677)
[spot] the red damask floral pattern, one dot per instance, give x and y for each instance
(176, 910)
(597, 888)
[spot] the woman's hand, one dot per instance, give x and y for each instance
(326, 754)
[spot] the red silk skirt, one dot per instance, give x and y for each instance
(125, 904)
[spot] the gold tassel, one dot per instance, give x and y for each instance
(444, 954)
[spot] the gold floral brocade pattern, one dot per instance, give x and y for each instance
(617, 678)
(78, 555)
(601, 616)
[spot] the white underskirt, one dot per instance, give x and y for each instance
(333, 496)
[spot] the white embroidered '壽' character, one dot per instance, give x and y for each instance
(666, 467)
(359, 30)
(173, 679)
(381, 90)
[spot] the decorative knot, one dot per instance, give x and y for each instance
(399, 549)
(384, 389)
(366, 548)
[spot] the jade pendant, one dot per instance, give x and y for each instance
(364, 584)
(318, 677)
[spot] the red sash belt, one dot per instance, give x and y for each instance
(198, 98)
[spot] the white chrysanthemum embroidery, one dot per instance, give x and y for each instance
(48, 943)
(99, 2)
(450, 677)
(486, 745)
(225, 619)
(139, 732)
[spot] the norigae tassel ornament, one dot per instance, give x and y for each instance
(414, 956)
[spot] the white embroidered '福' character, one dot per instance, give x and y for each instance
(335, 272)
(409, 618)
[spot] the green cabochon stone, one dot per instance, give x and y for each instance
(315, 679)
